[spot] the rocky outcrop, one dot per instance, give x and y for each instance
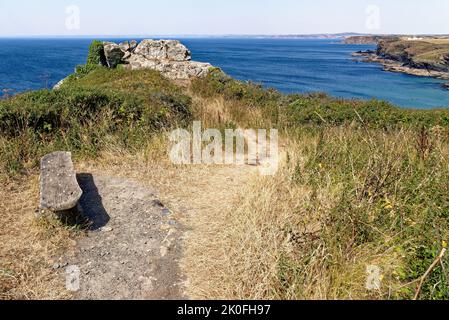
(399, 66)
(170, 57)
(114, 54)
(128, 46)
(163, 50)
(415, 54)
(172, 69)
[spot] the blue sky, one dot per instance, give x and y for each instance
(182, 17)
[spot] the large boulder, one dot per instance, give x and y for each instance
(128, 46)
(183, 70)
(176, 51)
(171, 50)
(59, 189)
(113, 53)
(175, 70)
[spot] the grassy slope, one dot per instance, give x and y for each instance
(367, 179)
(364, 184)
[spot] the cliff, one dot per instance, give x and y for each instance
(365, 39)
(425, 57)
(419, 54)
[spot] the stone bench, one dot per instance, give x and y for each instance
(59, 188)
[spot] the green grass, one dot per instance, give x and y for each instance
(392, 200)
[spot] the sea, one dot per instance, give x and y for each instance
(288, 65)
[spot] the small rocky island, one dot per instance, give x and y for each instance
(424, 57)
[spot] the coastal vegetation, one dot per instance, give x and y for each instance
(363, 183)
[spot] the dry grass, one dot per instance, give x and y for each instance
(284, 238)
(219, 113)
(236, 247)
(268, 224)
(28, 246)
(438, 40)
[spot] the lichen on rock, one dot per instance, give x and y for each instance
(170, 57)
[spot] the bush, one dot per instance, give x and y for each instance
(95, 60)
(96, 54)
(83, 70)
(83, 113)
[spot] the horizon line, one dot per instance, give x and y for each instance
(340, 34)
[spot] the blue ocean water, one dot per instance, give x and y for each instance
(289, 65)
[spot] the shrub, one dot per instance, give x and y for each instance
(83, 70)
(82, 114)
(96, 54)
(95, 60)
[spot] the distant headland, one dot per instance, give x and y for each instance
(424, 56)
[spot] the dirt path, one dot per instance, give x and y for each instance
(206, 203)
(141, 230)
(132, 248)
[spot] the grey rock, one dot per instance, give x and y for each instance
(60, 83)
(133, 45)
(173, 223)
(114, 54)
(57, 266)
(126, 56)
(124, 46)
(177, 51)
(128, 46)
(59, 189)
(171, 50)
(107, 229)
(175, 70)
(170, 57)
(151, 50)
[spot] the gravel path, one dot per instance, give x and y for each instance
(133, 246)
